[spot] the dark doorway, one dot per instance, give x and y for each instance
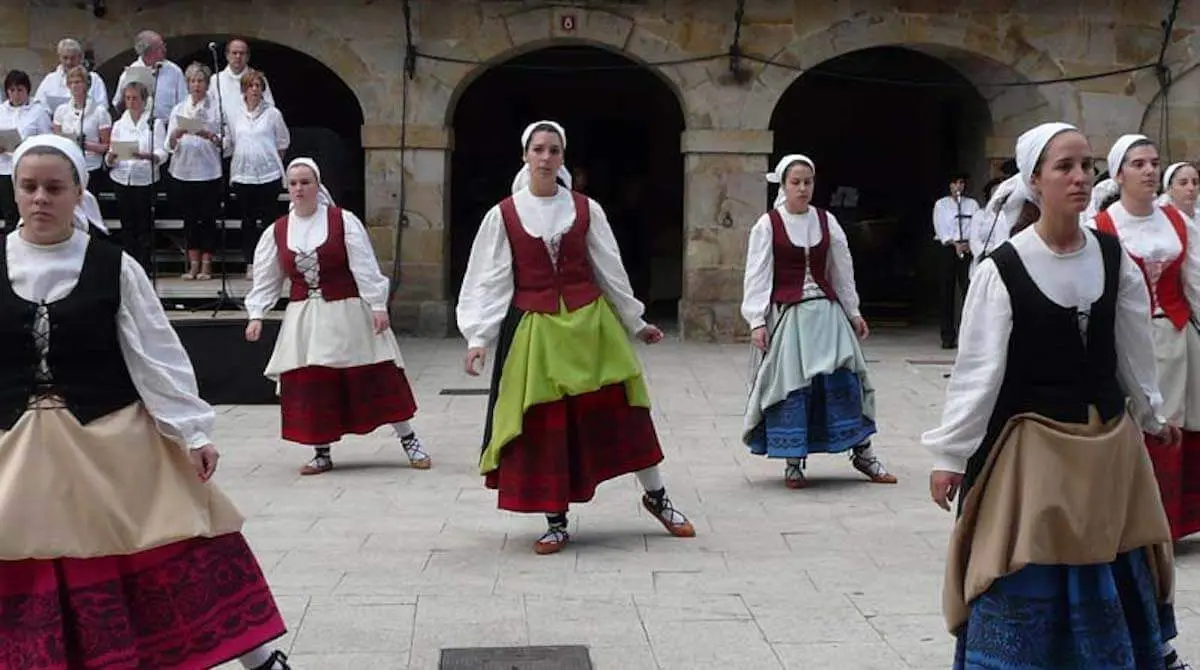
(893, 145)
(322, 113)
(623, 128)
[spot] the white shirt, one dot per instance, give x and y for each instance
(487, 288)
(53, 92)
(28, 120)
(194, 158)
(988, 231)
(803, 230)
(230, 96)
(158, 364)
(304, 235)
(1153, 239)
(946, 222)
(137, 171)
(1073, 279)
(258, 138)
(170, 89)
(95, 118)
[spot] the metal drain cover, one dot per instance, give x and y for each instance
(516, 658)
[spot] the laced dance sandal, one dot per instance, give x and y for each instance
(793, 476)
(278, 661)
(1172, 662)
(873, 468)
(318, 465)
(417, 458)
(672, 519)
(553, 540)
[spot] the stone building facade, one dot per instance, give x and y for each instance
(727, 141)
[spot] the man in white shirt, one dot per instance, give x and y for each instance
(952, 229)
(237, 55)
(170, 86)
(53, 92)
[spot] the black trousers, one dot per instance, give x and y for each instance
(199, 205)
(260, 207)
(8, 202)
(137, 225)
(955, 273)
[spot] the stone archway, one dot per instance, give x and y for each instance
(624, 125)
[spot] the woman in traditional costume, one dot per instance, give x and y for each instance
(1181, 182)
(568, 409)
(336, 361)
(117, 550)
(1167, 251)
(811, 392)
(1061, 555)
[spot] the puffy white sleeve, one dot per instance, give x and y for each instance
(841, 268)
(268, 276)
(157, 362)
(487, 286)
(172, 125)
(1137, 368)
(373, 286)
(610, 273)
(1191, 269)
(283, 138)
(99, 90)
(974, 386)
(159, 148)
(759, 274)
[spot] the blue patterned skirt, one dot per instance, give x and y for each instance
(1090, 617)
(824, 417)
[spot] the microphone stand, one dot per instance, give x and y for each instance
(154, 181)
(224, 299)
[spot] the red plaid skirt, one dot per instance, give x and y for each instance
(191, 604)
(568, 447)
(321, 404)
(1178, 474)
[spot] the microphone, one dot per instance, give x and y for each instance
(212, 46)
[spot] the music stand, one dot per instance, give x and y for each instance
(224, 299)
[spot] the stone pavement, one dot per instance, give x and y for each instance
(376, 565)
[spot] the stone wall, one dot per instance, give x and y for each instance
(727, 140)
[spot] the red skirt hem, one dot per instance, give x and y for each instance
(569, 447)
(320, 404)
(1178, 472)
(191, 604)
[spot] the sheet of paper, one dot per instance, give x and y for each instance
(124, 151)
(10, 139)
(189, 124)
(56, 101)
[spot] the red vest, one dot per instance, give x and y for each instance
(790, 262)
(336, 282)
(538, 285)
(1168, 293)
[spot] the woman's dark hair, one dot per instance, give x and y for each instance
(1028, 216)
(1109, 201)
(546, 127)
(17, 78)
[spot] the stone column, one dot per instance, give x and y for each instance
(724, 194)
(419, 305)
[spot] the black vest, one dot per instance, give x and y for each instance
(86, 365)
(1051, 370)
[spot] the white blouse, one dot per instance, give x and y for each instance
(947, 226)
(257, 138)
(138, 171)
(53, 91)
(487, 288)
(304, 235)
(158, 364)
(27, 120)
(1074, 279)
(803, 230)
(230, 94)
(194, 158)
(93, 119)
(1153, 239)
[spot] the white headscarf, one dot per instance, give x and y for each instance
(323, 196)
(1030, 146)
(1109, 187)
(780, 173)
(88, 209)
(1165, 198)
(525, 174)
